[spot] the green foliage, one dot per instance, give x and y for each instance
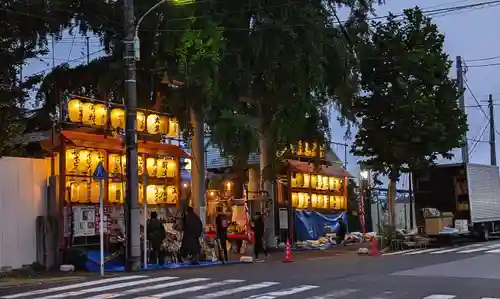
(408, 111)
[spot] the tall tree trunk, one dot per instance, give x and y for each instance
(198, 166)
(392, 198)
(267, 186)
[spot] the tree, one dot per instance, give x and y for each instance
(408, 112)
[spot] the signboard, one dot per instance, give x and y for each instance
(283, 218)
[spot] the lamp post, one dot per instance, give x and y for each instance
(364, 183)
(130, 56)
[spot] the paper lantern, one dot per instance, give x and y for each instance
(79, 192)
(88, 113)
(75, 112)
(172, 195)
(116, 193)
(101, 115)
(314, 181)
(173, 128)
(85, 164)
(161, 168)
(325, 183)
(314, 200)
(164, 125)
(118, 118)
(141, 121)
(151, 167)
(153, 124)
(319, 182)
(140, 165)
(307, 180)
(94, 192)
(115, 165)
(295, 199)
(171, 169)
(72, 161)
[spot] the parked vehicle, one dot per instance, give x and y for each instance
(469, 193)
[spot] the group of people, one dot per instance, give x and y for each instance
(192, 229)
(257, 226)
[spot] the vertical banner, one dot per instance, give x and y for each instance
(247, 217)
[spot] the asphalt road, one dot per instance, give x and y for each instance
(470, 275)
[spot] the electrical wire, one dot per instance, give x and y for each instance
(475, 145)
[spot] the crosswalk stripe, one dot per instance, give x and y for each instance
(440, 297)
(422, 251)
(148, 288)
(335, 294)
(285, 292)
(109, 287)
(72, 286)
(400, 252)
(454, 249)
(479, 249)
(493, 251)
(195, 288)
(246, 288)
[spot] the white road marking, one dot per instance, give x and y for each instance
(196, 288)
(246, 288)
(453, 249)
(335, 294)
(72, 286)
(440, 297)
(109, 287)
(479, 249)
(148, 288)
(493, 251)
(282, 293)
(422, 251)
(400, 252)
(489, 298)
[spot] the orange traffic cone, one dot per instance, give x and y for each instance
(288, 253)
(375, 251)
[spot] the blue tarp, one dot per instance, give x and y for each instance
(310, 225)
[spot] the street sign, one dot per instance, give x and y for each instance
(283, 218)
(99, 175)
(100, 172)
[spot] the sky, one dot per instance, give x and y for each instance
(467, 34)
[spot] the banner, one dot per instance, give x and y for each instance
(248, 230)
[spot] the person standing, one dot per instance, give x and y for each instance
(156, 234)
(258, 228)
(341, 231)
(221, 225)
(192, 233)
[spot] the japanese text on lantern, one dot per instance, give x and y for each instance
(308, 149)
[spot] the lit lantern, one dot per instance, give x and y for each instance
(140, 198)
(331, 183)
(322, 151)
(171, 196)
(326, 202)
(171, 169)
(300, 149)
(307, 149)
(161, 168)
(187, 164)
(115, 164)
(116, 192)
(307, 180)
(227, 186)
(325, 183)
(140, 165)
(294, 180)
(75, 111)
(85, 162)
(96, 157)
(300, 180)
(151, 194)
(153, 124)
(319, 181)
(314, 200)
(314, 181)
(79, 192)
(101, 115)
(151, 167)
(164, 125)
(88, 113)
(124, 164)
(295, 199)
(72, 161)
(141, 121)
(94, 192)
(117, 118)
(173, 127)
(302, 200)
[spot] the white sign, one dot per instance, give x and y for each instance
(283, 217)
(462, 225)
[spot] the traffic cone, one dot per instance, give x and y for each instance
(288, 253)
(375, 251)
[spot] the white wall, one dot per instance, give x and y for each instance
(23, 185)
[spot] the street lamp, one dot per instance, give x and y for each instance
(137, 41)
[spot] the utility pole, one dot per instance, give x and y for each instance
(132, 208)
(461, 102)
(88, 49)
(493, 150)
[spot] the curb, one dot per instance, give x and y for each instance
(16, 282)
